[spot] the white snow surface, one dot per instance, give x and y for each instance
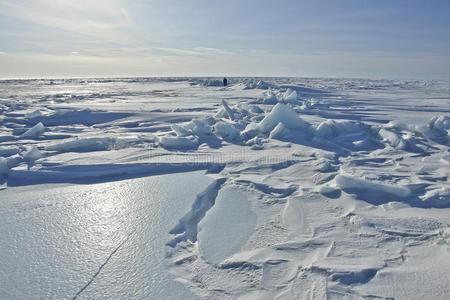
(226, 226)
(343, 183)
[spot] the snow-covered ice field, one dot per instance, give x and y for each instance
(102, 240)
(303, 188)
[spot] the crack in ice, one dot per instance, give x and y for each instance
(101, 267)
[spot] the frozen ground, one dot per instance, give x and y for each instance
(319, 188)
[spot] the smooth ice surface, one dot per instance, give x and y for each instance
(226, 226)
(96, 241)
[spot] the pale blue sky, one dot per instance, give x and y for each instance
(377, 39)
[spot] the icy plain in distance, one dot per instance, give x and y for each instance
(334, 188)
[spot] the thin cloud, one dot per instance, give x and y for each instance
(105, 21)
(213, 51)
(197, 51)
(176, 51)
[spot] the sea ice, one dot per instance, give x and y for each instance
(326, 129)
(226, 130)
(32, 154)
(172, 142)
(8, 151)
(84, 145)
(441, 123)
(353, 183)
(257, 84)
(290, 96)
(180, 130)
(34, 131)
(332, 128)
(278, 132)
(3, 166)
(199, 127)
(226, 226)
(393, 139)
(284, 114)
(69, 234)
(33, 115)
(269, 98)
(228, 110)
(339, 215)
(187, 227)
(437, 198)
(212, 82)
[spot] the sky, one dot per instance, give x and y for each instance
(334, 38)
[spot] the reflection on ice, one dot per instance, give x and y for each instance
(101, 240)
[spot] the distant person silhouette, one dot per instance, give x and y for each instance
(225, 81)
